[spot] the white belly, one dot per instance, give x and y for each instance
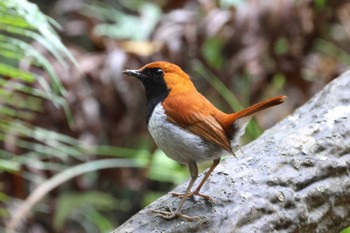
(178, 143)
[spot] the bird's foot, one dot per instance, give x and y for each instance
(191, 194)
(168, 215)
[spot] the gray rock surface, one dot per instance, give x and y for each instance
(294, 178)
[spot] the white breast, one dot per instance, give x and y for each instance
(178, 143)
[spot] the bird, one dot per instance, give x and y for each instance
(187, 127)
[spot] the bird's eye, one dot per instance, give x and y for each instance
(158, 72)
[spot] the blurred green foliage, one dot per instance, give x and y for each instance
(23, 93)
(346, 230)
(86, 206)
(122, 23)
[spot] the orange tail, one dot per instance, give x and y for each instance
(242, 117)
(259, 107)
(236, 123)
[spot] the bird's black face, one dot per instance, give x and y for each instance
(155, 86)
(149, 75)
(155, 74)
(152, 79)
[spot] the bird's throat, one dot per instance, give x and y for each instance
(155, 94)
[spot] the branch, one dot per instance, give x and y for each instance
(294, 178)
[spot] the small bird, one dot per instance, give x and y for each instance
(187, 127)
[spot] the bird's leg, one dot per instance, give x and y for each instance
(177, 213)
(196, 191)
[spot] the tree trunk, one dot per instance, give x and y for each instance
(294, 178)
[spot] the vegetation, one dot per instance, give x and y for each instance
(74, 150)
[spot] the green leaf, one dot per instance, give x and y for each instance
(9, 166)
(69, 203)
(161, 165)
(102, 223)
(281, 46)
(320, 4)
(346, 230)
(6, 70)
(212, 50)
(121, 23)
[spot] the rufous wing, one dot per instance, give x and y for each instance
(196, 114)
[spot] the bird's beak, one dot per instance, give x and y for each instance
(134, 73)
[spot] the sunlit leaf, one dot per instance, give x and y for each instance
(121, 22)
(346, 230)
(6, 70)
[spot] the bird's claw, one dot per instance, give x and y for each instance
(171, 215)
(191, 194)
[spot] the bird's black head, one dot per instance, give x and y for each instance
(153, 76)
(156, 89)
